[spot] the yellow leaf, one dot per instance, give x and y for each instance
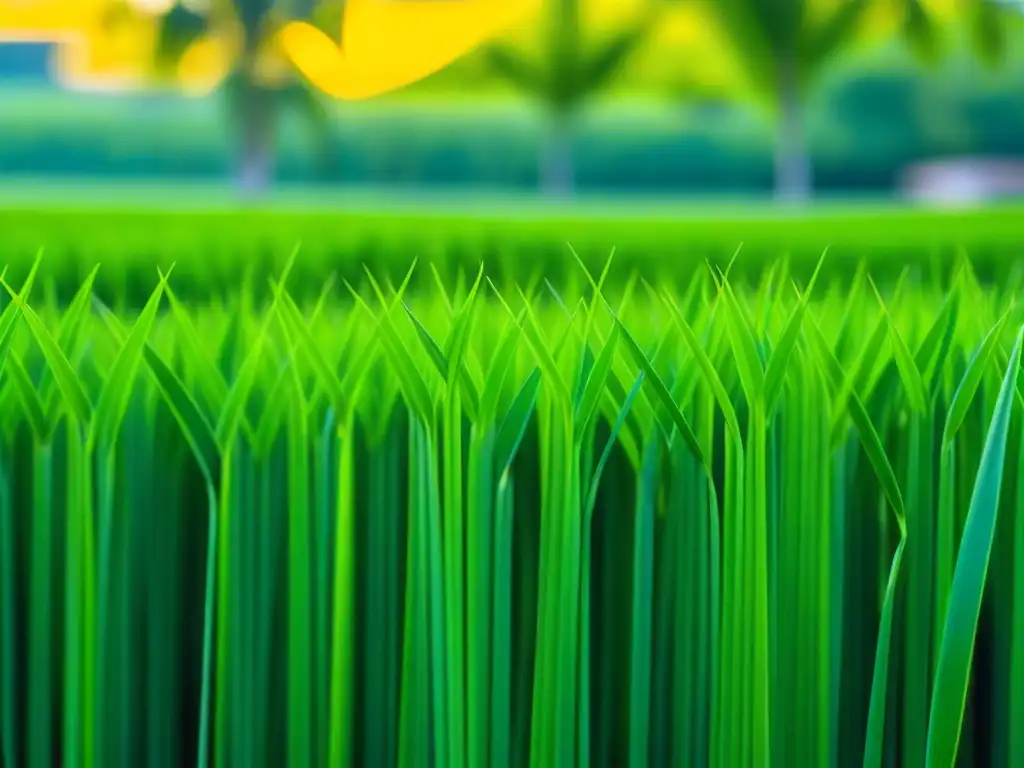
(387, 45)
(39, 19)
(107, 56)
(205, 64)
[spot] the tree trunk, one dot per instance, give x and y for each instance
(556, 169)
(793, 182)
(256, 158)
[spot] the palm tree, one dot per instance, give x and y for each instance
(568, 71)
(784, 46)
(989, 25)
(386, 46)
(234, 42)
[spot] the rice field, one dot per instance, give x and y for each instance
(468, 521)
(212, 239)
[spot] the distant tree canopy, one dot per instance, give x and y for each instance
(271, 55)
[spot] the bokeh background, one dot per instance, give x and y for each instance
(798, 100)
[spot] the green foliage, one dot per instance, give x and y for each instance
(989, 27)
(572, 67)
(872, 115)
(789, 44)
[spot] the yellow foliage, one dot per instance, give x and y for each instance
(387, 45)
(100, 45)
(205, 64)
(107, 55)
(47, 19)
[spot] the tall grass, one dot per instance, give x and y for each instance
(718, 523)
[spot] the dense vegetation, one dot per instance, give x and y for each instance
(868, 120)
(602, 519)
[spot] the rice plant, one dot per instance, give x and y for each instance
(720, 522)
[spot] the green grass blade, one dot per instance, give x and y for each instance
(41, 639)
(861, 377)
(643, 597)
(971, 380)
(205, 698)
(499, 370)
(10, 736)
(30, 401)
(326, 375)
(513, 426)
(865, 429)
(443, 363)
(67, 337)
(67, 380)
(874, 741)
(930, 357)
(413, 385)
(343, 636)
(1015, 710)
(209, 378)
(744, 346)
(662, 391)
(872, 445)
(196, 429)
(501, 632)
(11, 315)
(231, 417)
(779, 362)
(270, 421)
(609, 445)
(953, 671)
(300, 683)
(595, 386)
(545, 357)
(433, 349)
(913, 382)
(458, 339)
(710, 374)
(117, 391)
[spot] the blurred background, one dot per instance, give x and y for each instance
(792, 100)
